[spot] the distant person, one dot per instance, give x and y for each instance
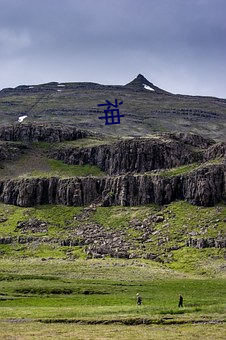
(139, 299)
(180, 301)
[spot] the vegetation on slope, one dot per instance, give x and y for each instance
(145, 111)
(179, 221)
(35, 162)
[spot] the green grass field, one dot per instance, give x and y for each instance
(97, 299)
(52, 291)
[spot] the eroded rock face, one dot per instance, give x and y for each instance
(125, 162)
(192, 139)
(218, 242)
(216, 150)
(205, 186)
(10, 151)
(35, 133)
(131, 155)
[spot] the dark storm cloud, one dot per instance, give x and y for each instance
(178, 44)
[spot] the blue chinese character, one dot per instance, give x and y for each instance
(111, 118)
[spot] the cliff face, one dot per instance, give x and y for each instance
(35, 133)
(191, 139)
(125, 162)
(202, 187)
(216, 150)
(131, 155)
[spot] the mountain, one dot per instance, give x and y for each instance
(135, 189)
(91, 213)
(140, 83)
(147, 109)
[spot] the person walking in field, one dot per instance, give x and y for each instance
(139, 299)
(180, 301)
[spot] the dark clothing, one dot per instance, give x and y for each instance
(180, 301)
(139, 300)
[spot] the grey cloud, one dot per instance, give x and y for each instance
(179, 44)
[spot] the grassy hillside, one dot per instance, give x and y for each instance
(168, 238)
(36, 162)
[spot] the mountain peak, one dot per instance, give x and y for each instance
(141, 77)
(140, 83)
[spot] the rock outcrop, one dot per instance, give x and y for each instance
(133, 168)
(218, 242)
(191, 139)
(137, 155)
(36, 132)
(215, 151)
(205, 186)
(11, 151)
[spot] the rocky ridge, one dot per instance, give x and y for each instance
(38, 132)
(131, 155)
(133, 166)
(205, 186)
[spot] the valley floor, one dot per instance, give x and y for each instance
(96, 299)
(31, 330)
(52, 289)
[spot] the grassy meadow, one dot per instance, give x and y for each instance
(52, 291)
(96, 299)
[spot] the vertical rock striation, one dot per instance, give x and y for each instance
(205, 186)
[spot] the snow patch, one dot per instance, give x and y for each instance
(59, 90)
(21, 118)
(31, 87)
(148, 87)
(61, 85)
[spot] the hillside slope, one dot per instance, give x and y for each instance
(146, 107)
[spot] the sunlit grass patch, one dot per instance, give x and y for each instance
(60, 169)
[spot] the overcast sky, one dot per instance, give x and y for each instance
(179, 45)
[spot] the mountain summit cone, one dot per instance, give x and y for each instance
(140, 83)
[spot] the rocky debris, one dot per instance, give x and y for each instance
(131, 241)
(151, 256)
(11, 150)
(85, 214)
(6, 240)
(146, 227)
(34, 133)
(203, 186)
(101, 241)
(39, 240)
(71, 243)
(134, 155)
(159, 218)
(32, 225)
(218, 242)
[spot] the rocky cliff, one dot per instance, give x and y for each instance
(11, 151)
(205, 186)
(132, 155)
(37, 132)
(133, 166)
